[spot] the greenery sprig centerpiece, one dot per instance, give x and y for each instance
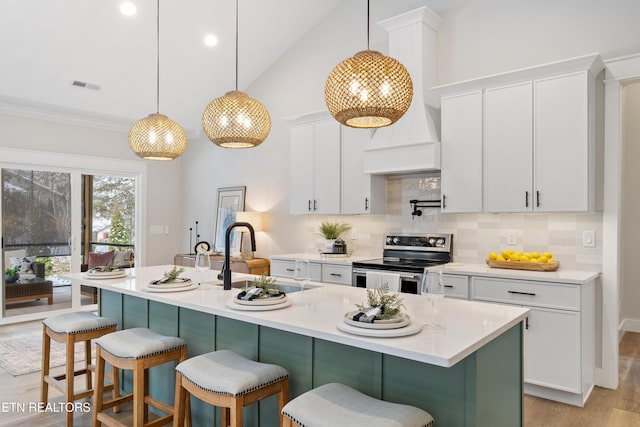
(267, 284)
(173, 274)
(106, 268)
(331, 230)
(389, 303)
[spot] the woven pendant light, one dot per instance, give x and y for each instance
(368, 90)
(236, 120)
(157, 137)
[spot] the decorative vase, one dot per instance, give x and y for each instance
(328, 245)
(11, 278)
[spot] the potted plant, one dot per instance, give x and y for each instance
(11, 275)
(331, 230)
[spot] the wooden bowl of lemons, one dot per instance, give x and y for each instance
(534, 261)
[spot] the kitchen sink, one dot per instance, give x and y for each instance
(284, 287)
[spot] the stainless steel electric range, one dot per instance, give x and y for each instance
(407, 255)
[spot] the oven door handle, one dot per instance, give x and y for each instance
(402, 276)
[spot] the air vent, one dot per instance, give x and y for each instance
(85, 85)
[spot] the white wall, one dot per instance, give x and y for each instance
(630, 209)
(163, 179)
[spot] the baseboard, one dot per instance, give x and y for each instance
(630, 325)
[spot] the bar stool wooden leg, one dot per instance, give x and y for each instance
(46, 355)
(70, 376)
(140, 415)
(87, 362)
(99, 390)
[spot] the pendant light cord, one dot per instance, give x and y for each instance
(236, 45)
(158, 58)
(368, 23)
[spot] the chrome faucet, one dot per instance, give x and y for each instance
(225, 274)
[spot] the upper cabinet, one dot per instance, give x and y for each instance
(362, 193)
(461, 180)
(314, 162)
(326, 168)
(535, 145)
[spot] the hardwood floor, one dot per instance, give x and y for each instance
(605, 408)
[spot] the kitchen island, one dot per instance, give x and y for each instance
(468, 374)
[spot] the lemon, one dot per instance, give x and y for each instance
(547, 254)
(493, 255)
(551, 260)
(535, 255)
(514, 257)
(505, 254)
(500, 258)
(524, 258)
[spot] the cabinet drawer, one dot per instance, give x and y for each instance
(285, 268)
(524, 292)
(456, 286)
(339, 274)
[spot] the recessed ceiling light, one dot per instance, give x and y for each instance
(211, 40)
(127, 8)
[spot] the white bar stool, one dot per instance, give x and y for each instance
(336, 404)
(226, 379)
(69, 329)
(136, 349)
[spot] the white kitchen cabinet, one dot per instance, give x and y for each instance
(564, 143)
(559, 336)
(508, 153)
(338, 274)
(461, 180)
(536, 137)
(286, 268)
(456, 286)
(314, 162)
(538, 147)
(361, 193)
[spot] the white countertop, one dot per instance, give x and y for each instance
(468, 325)
(325, 259)
(560, 275)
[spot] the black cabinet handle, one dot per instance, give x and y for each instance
(314, 204)
(537, 199)
(444, 201)
(309, 206)
(526, 199)
(526, 323)
(290, 269)
(448, 286)
(366, 203)
(522, 293)
(335, 274)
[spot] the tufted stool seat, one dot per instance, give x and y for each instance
(136, 349)
(228, 380)
(336, 404)
(69, 329)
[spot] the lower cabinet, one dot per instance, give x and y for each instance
(339, 274)
(456, 286)
(559, 334)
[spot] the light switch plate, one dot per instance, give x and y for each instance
(589, 239)
(512, 237)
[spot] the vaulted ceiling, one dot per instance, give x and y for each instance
(46, 45)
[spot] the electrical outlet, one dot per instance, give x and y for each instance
(589, 239)
(512, 237)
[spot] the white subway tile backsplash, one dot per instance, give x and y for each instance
(475, 234)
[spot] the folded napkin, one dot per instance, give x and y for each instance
(255, 292)
(167, 280)
(368, 315)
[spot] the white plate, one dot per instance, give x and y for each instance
(183, 288)
(395, 323)
(380, 333)
(262, 301)
(105, 274)
(233, 305)
(179, 283)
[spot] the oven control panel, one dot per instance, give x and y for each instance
(434, 242)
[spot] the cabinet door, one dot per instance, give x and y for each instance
(508, 148)
(562, 145)
(462, 153)
(326, 167)
(301, 161)
(552, 349)
(362, 193)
